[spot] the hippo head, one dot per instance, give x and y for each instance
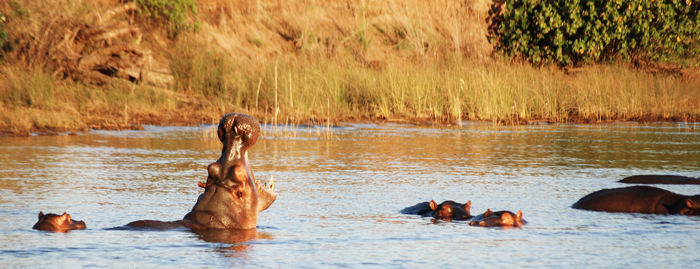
(450, 210)
(58, 223)
(499, 218)
(687, 206)
(232, 197)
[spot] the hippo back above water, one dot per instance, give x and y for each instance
(640, 199)
(660, 179)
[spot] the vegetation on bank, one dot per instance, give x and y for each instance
(575, 32)
(303, 76)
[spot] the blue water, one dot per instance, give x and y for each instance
(339, 192)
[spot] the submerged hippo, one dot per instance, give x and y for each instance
(232, 198)
(499, 219)
(58, 223)
(660, 179)
(447, 210)
(640, 199)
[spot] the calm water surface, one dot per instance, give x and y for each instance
(338, 199)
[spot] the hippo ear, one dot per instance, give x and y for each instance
(488, 213)
(690, 204)
(433, 205)
(467, 206)
(519, 215)
(41, 214)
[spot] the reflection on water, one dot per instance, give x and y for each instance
(339, 194)
(236, 242)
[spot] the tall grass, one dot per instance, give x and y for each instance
(323, 91)
(421, 62)
(441, 92)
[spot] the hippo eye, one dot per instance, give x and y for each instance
(507, 218)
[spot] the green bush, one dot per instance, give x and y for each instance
(174, 12)
(3, 34)
(574, 31)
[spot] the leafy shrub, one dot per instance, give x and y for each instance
(575, 31)
(174, 12)
(3, 34)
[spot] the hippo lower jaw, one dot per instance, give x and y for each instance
(266, 195)
(223, 207)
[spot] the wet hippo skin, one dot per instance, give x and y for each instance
(640, 199)
(447, 210)
(232, 198)
(660, 179)
(58, 223)
(498, 219)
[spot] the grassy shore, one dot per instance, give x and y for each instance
(442, 83)
(441, 92)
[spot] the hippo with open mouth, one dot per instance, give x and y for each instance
(232, 198)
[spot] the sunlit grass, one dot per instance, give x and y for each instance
(320, 80)
(496, 91)
(323, 92)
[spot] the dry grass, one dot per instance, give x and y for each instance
(323, 62)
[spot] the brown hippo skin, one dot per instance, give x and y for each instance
(58, 223)
(447, 210)
(640, 199)
(232, 198)
(660, 179)
(498, 219)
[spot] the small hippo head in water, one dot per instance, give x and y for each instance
(498, 218)
(58, 223)
(232, 197)
(449, 210)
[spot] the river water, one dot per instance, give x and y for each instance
(339, 193)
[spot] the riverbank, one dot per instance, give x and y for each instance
(321, 93)
(287, 63)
